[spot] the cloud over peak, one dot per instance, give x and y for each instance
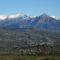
(15, 16)
(2, 17)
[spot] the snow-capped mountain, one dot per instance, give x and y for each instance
(24, 21)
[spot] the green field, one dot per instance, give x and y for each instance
(27, 57)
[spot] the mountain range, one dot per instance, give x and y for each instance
(18, 21)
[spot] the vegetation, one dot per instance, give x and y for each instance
(27, 57)
(29, 45)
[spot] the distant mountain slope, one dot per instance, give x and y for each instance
(37, 41)
(23, 21)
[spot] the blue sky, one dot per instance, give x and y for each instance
(31, 7)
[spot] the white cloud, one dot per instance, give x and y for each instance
(55, 17)
(2, 17)
(15, 16)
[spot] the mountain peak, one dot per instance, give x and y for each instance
(44, 15)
